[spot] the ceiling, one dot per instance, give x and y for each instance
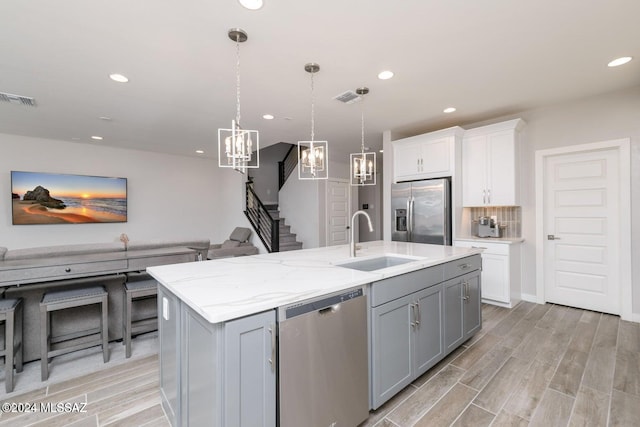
(487, 58)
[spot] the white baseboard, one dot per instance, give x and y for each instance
(529, 298)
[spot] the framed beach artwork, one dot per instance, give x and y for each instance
(48, 198)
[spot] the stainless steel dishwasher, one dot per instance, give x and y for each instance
(323, 364)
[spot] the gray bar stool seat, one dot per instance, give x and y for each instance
(137, 290)
(61, 300)
(11, 316)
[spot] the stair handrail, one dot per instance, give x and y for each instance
(265, 226)
(287, 166)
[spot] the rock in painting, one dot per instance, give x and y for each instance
(42, 196)
(15, 196)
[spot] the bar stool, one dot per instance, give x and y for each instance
(11, 316)
(61, 300)
(135, 290)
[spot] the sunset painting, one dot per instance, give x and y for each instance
(45, 198)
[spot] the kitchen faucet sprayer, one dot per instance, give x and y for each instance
(352, 245)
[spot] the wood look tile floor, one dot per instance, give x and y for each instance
(533, 365)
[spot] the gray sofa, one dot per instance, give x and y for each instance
(237, 244)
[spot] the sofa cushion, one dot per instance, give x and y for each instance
(229, 244)
(2, 252)
(240, 234)
(63, 250)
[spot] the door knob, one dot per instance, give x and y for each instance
(552, 237)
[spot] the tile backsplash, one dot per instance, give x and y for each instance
(509, 218)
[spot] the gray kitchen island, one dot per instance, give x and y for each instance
(222, 329)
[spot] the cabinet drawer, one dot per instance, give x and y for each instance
(461, 266)
(488, 247)
(34, 274)
(142, 263)
(395, 287)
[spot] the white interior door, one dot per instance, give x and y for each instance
(338, 202)
(581, 230)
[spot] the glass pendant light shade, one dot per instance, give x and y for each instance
(238, 148)
(362, 164)
(313, 160)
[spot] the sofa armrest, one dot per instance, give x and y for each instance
(232, 252)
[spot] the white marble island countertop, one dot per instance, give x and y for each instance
(230, 288)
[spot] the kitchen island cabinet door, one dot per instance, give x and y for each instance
(428, 348)
(250, 374)
(169, 343)
(472, 307)
(392, 343)
(453, 307)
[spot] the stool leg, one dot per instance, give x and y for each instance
(104, 323)
(44, 343)
(18, 336)
(8, 347)
(127, 325)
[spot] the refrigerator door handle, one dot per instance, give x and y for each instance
(408, 219)
(412, 201)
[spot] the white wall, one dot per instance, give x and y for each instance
(168, 196)
(606, 117)
(266, 176)
(371, 195)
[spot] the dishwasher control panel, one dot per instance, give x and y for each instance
(318, 304)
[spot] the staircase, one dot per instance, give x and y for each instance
(287, 239)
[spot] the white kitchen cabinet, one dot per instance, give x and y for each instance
(431, 155)
(500, 270)
(490, 165)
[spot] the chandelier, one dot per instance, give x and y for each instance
(312, 155)
(238, 148)
(362, 164)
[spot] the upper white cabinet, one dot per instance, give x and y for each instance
(490, 163)
(431, 155)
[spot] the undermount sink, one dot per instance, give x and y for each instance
(377, 263)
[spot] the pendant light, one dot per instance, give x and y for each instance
(312, 155)
(363, 164)
(238, 148)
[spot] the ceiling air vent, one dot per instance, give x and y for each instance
(348, 97)
(17, 99)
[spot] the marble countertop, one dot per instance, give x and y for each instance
(229, 288)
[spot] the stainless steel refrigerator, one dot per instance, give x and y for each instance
(421, 211)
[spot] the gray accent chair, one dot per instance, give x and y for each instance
(238, 244)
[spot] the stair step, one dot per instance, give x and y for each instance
(290, 246)
(284, 229)
(287, 237)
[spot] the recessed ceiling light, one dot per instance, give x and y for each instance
(97, 138)
(118, 78)
(199, 151)
(619, 61)
(381, 151)
(385, 75)
(268, 117)
(251, 4)
(449, 110)
(105, 118)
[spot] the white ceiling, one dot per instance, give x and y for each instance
(487, 58)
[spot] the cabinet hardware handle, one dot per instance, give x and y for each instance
(419, 313)
(415, 322)
(484, 197)
(67, 270)
(489, 195)
(273, 348)
(478, 247)
(464, 266)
